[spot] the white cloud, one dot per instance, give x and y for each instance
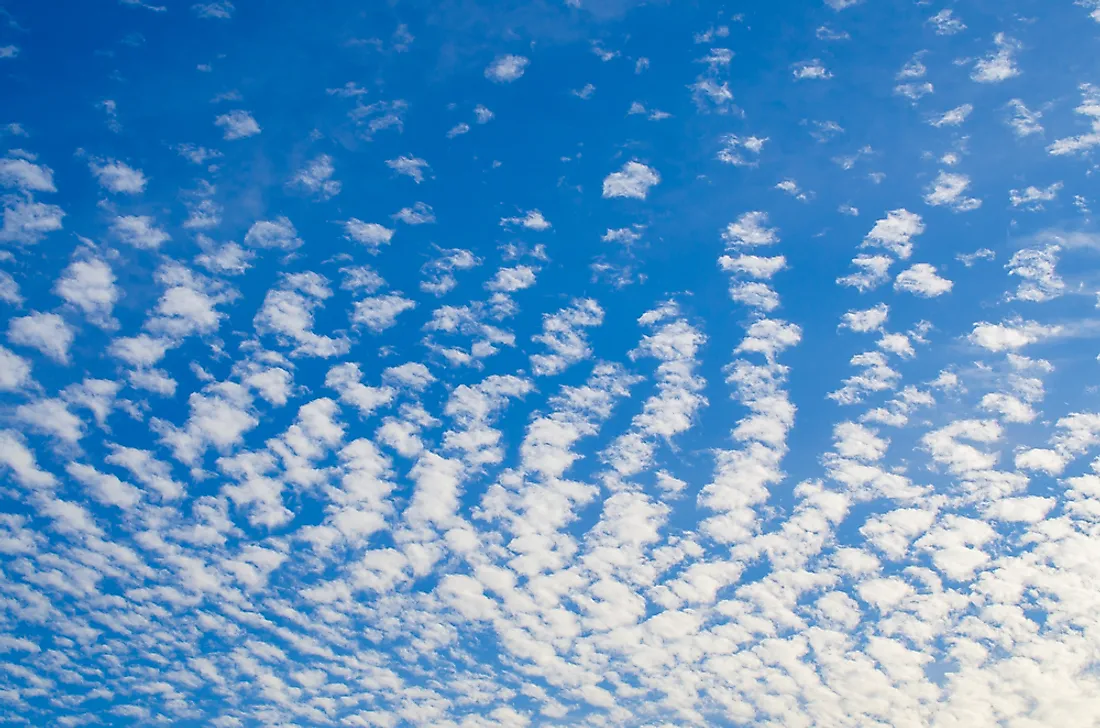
(23, 174)
(409, 166)
(750, 230)
(1024, 121)
(563, 335)
(633, 181)
(506, 69)
(1011, 335)
(287, 313)
(811, 69)
(216, 10)
(118, 177)
(277, 234)
(1089, 108)
(89, 285)
(584, 93)
(1031, 197)
(419, 214)
(46, 332)
(1039, 281)
(237, 124)
(532, 220)
(139, 231)
(1000, 65)
(509, 280)
(948, 189)
(20, 460)
(15, 371)
(895, 232)
(379, 313)
(9, 290)
(370, 234)
(735, 147)
(870, 319)
(953, 117)
(922, 280)
(315, 178)
(946, 23)
(914, 90)
(27, 221)
(871, 272)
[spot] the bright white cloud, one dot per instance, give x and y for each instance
(633, 181)
(506, 68)
(237, 124)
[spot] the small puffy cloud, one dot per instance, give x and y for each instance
(954, 116)
(839, 5)
(871, 272)
(379, 313)
(196, 154)
(139, 231)
(895, 232)
(315, 178)
(948, 189)
(15, 371)
(922, 280)
(584, 93)
(229, 259)
(89, 285)
(216, 10)
(16, 457)
(1024, 121)
(371, 234)
(458, 130)
(409, 166)
(750, 230)
(1032, 198)
(118, 177)
(999, 65)
(870, 319)
(914, 90)
(139, 351)
(633, 181)
(9, 289)
(482, 114)
(287, 313)
(1010, 335)
(278, 234)
(27, 221)
(741, 151)
(532, 220)
(46, 332)
(23, 174)
(810, 70)
(945, 23)
(506, 69)
(753, 266)
(508, 280)
(237, 124)
(419, 214)
(52, 418)
(1090, 107)
(9, 51)
(1036, 268)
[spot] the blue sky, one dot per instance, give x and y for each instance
(549, 364)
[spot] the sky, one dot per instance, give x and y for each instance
(554, 363)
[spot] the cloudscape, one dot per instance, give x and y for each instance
(549, 363)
